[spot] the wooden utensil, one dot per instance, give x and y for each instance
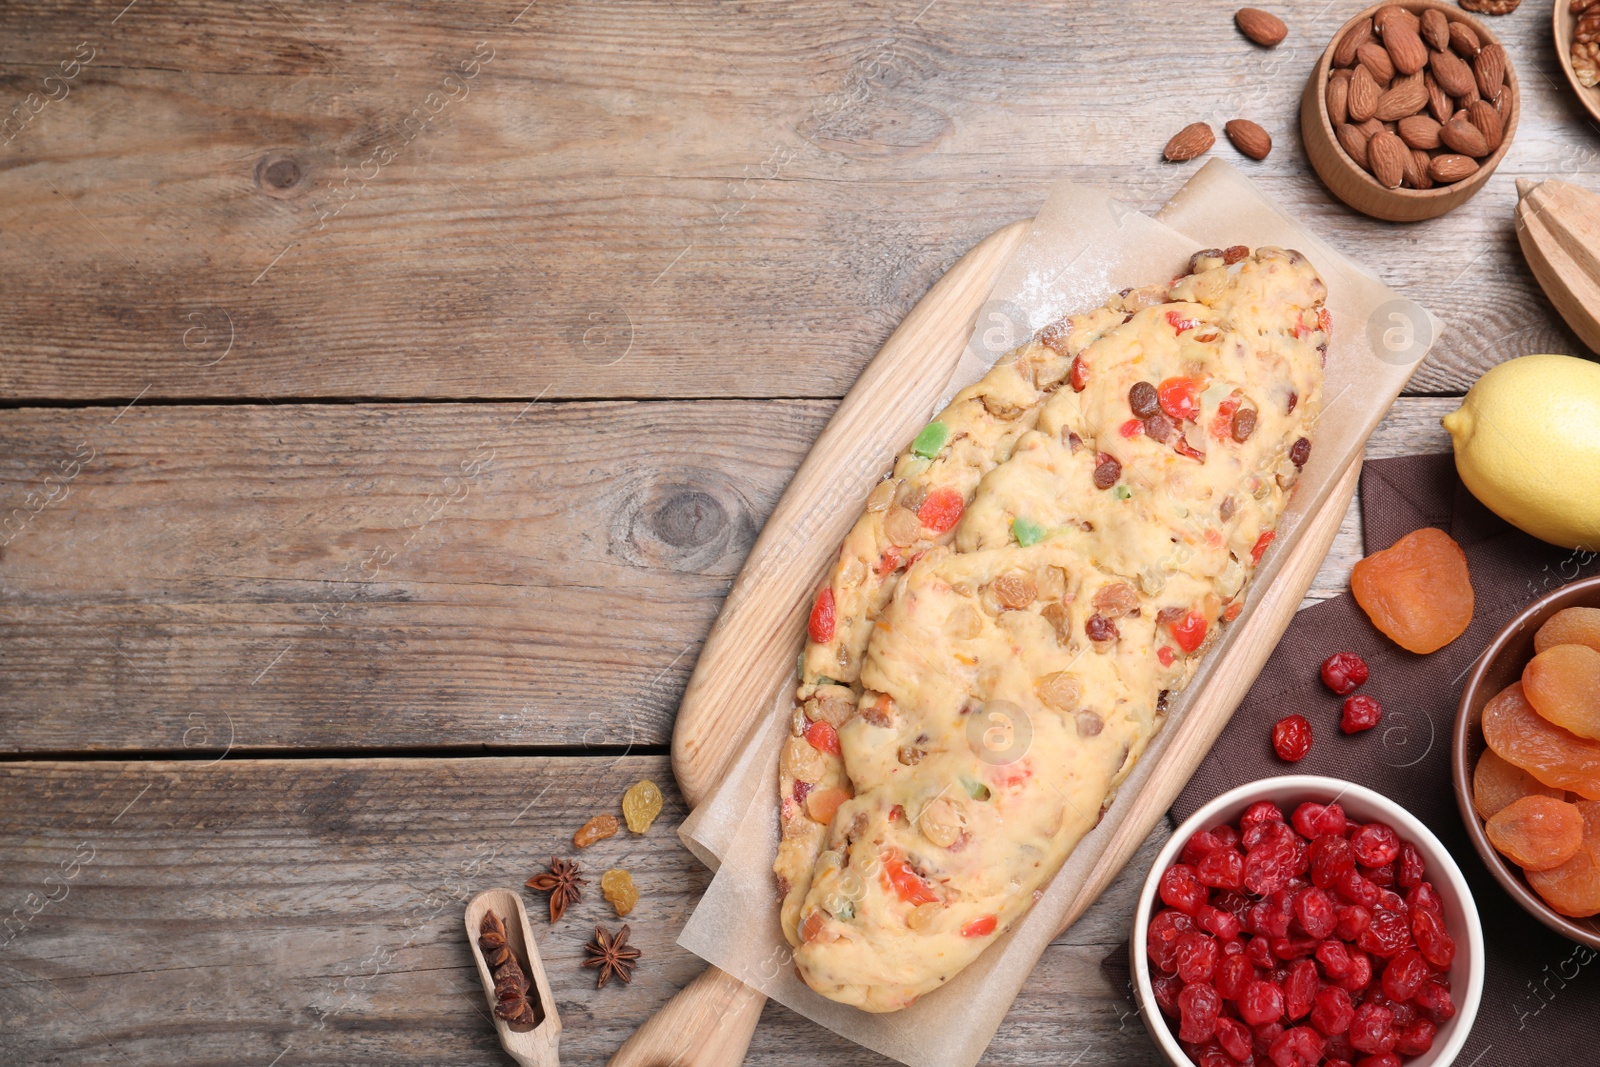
(1562, 27)
(1558, 227)
(536, 1047)
(751, 650)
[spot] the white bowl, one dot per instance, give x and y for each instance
(1362, 805)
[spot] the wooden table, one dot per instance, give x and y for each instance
(392, 392)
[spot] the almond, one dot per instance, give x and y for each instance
(1354, 142)
(1489, 68)
(1405, 97)
(1354, 38)
(1262, 27)
(1420, 131)
(1436, 29)
(1193, 140)
(1464, 39)
(1249, 138)
(1339, 100)
(1417, 169)
(1468, 97)
(1363, 95)
(1459, 135)
(1438, 100)
(1483, 115)
(1448, 168)
(1397, 14)
(1405, 48)
(1387, 155)
(1376, 59)
(1450, 72)
(1372, 127)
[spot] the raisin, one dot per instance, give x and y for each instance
(1158, 428)
(1561, 683)
(1536, 833)
(1416, 591)
(1299, 452)
(1244, 424)
(1100, 629)
(618, 889)
(1294, 399)
(1291, 737)
(1143, 400)
(1106, 472)
(1521, 736)
(1574, 626)
(596, 829)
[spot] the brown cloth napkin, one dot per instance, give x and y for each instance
(1541, 996)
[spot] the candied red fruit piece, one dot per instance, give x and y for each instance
(1260, 1003)
(1375, 844)
(1181, 889)
(1198, 1009)
(1416, 591)
(1196, 956)
(1291, 738)
(1360, 712)
(1344, 672)
(1332, 1010)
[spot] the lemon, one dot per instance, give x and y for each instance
(1527, 441)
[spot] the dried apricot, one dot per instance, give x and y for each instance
(641, 804)
(1557, 758)
(1574, 887)
(1563, 684)
(1570, 626)
(1536, 833)
(1417, 590)
(1496, 783)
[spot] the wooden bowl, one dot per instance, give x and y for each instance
(1563, 25)
(1346, 180)
(1500, 665)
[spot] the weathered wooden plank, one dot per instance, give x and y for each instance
(663, 198)
(349, 576)
(310, 910)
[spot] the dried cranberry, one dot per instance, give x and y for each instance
(1386, 935)
(1261, 1003)
(1235, 904)
(1299, 988)
(1433, 1000)
(1314, 911)
(1234, 1039)
(1404, 975)
(1436, 945)
(1201, 842)
(1181, 889)
(1330, 857)
(1361, 712)
(1224, 924)
(1370, 1029)
(1353, 918)
(1198, 1009)
(1300, 1046)
(1334, 957)
(1332, 1010)
(1262, 811)
(1415, 1039)
(1404, 1014)
(1232, 975)
(1410, 870)
(1389, 900)
(1375, 844)
(1167, 987)
(1271, 916)
(1161, 940)
(1344, 672)
(1291, 737)
(1221, 868)
(1196, 955)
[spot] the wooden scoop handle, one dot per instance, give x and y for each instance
(708, 1023)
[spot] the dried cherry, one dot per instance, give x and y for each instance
(1291, 737)
(1375, 844)
(1234, 1038)
(1435, 944)
(1332, 1010)
(1360, 712)
(1371, 1029)
(1344, 672)
(1181, 889)
(1198, 1009)
(1196, 955)
(1260, 1003)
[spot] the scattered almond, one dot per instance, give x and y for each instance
(1250, 139)
(1262, 27)
(1483, 115)
(1405, 97)
(1376, 59)
(1358, 35)
(1489, 68)
(1405, 48)
(1354, 143)
(1387, 155)
(1419, 131)
(1339, 99)
(1464, 39)
(1364, 93)
(1451, 168)
(1193, 140)
(1459, 135)
(1436, 29)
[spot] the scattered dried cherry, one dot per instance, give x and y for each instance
(1344, 672)
(1360, 712)
(1291, 737)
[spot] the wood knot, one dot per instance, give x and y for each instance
(688, 519)
(685, 521)
(280, 176)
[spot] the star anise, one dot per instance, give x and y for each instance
(510, 984)
(612, 955)
(561, 881)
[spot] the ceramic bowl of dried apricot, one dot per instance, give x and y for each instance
(1527, 759)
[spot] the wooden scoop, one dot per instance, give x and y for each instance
(750, 653)
(531, 1048)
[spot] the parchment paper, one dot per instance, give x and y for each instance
(1083, 247)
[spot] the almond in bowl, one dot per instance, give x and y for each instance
(1409, 110)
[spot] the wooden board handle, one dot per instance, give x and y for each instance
(708, 1023)
(758, 633)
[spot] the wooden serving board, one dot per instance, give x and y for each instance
(750, 652)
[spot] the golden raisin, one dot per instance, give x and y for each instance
(1015, 590)
(618, 889)
(1570, 626)
(1557, 758)
(1536, 833)
(641, 804)
(596, 829)
(1417, 590)
(1563, 684)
